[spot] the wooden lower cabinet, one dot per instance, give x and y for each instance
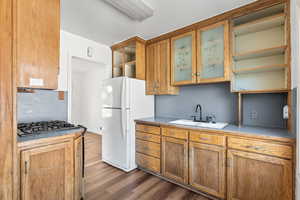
(148, 162)
(51, 168)
(78, 170)
(260, 177)
(175, 159)
(207, 168)
(219, 164)
(47, 172)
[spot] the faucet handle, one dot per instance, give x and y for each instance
(211, 118)
(194, 117)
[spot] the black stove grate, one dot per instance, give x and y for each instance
(35, 128)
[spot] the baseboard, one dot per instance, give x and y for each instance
(179, 184)
(93, 163)
(297, 187)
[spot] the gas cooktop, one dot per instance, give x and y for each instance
(35, 128)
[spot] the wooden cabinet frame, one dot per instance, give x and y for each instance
(220, 192)
(26, 171)
(140, 56)
(222, 148)
(194, 55)
(78, 165)
(224, 23)
(159, 69)
(184, 144)
(37, 35)
(232, 184)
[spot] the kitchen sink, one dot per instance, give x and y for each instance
(185, 122)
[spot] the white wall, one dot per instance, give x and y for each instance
(75, 46)
(295, 34)
(85, 93)
(85, 81)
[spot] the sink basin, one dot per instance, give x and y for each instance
(217, 125)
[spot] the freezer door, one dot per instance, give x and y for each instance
(115, 93)
(115, 138)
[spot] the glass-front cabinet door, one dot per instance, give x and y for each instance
(213, 53)
(183, 59)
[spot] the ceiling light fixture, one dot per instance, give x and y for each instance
(137, 10)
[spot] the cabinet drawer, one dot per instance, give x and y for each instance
(149, 148)
(208, 138)
(147, 137)
(279, 150)
(148, 129)
(175, 133)
(148, 162)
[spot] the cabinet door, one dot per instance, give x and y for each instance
(37, 44)
(151, 69)
(183, 59)
(254, 176)
(207, 168)
(213, 53)
(175, 159)
(47, 172)
(164, 69)
(78, 188)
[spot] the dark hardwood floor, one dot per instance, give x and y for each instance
(104, 182)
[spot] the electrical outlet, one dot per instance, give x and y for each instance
(286, 112)
(253, 114)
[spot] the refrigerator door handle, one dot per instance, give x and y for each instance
(123, 108)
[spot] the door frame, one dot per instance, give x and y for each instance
(71, 55)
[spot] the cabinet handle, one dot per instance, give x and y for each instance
(254, 147)
(26, 167)
(202, 138)
(146, 148)
(229, 162)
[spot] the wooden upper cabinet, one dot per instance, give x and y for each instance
(255, 176)
(47, 172)
(159, 69)
(213, 53)
(151, 70)
(37, 43)
(183, 59)
(175, 159)
(129, 58)
(207, 168)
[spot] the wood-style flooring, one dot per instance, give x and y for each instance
(104, 182)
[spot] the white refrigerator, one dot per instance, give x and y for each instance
(124, 100)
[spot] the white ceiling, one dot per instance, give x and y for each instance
(96, 20)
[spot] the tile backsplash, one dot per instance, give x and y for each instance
(41, 105)
(214, 98)
(258, 109)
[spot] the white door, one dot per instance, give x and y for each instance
(115, 137)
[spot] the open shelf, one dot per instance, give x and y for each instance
(283, 90)
(260, 81)
(130, 63)
(256, 69)
(260, 53)
(260, 24)
(277, 9)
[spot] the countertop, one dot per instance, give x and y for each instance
(245, 130)
(48, 134)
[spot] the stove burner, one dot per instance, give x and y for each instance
(35, 128)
